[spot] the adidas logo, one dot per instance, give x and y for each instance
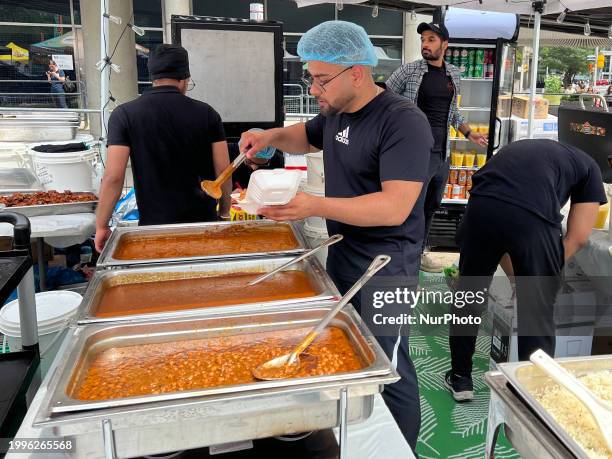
(342, 136)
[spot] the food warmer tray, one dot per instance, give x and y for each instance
(526, 379)
(326, 290)
(107, 260)
(185, 420)
(53, 209)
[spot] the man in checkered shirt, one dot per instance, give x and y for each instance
(434, 85)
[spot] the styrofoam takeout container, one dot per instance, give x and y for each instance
(270, 187)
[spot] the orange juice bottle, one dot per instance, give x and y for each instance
(602, 216)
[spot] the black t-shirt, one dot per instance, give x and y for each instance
(435, 96)
(170, 137)
(540, 176)
(388, 139)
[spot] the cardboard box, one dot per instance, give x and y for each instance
(504, 104)
(520, 107)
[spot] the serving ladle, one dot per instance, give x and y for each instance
(288, 364)
(599, 409)
(213, 187)
(332, 240)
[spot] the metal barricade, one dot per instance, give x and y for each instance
(293, 96)
(37, 94)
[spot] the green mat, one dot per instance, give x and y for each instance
(449, 429)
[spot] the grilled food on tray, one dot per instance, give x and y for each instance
(45, 197)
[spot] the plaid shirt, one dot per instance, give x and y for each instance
(406, 81)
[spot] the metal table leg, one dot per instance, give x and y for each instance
(42, 264)
(109, 440)
(343, 414)
(27, 310)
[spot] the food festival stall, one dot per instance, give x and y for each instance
(129, 378)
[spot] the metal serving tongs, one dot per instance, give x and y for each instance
(332, 240)
(599, 409)
(213, 188)
(288, 364)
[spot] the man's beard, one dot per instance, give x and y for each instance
(331, 110)
(432, 56)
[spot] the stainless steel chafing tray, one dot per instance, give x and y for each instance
(107, 259)
(527, 380)
(324, 287)
(190, 419)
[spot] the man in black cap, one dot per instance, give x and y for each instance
(434, 85)
(174, 142)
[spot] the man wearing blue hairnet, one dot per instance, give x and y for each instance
(376, 155)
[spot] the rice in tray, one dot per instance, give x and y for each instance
(573, 416)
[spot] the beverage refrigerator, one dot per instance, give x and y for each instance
(487, 68)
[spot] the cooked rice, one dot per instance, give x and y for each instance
(573, 416)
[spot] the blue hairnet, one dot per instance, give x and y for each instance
(337, 42)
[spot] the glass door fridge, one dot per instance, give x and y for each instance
(487, 70)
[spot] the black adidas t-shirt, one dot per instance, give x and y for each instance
(540, 176)
(388, 139)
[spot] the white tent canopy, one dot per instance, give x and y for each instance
(505, 6)
(554, 38)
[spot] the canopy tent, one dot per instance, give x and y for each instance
(17, 53)
(598, 10)
(62, 43)
(571, 40)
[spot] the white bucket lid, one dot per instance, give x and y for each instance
(53, 309)
(311, 231)
(85, 138)
(68, 157)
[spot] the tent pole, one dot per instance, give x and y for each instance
(534, 70)
(104, 74)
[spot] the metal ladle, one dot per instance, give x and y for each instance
(288, 364)
(332, 240)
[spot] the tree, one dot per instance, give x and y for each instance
(565, 60)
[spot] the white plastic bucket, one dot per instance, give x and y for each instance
(315, 223)
(314, 237)
(314, 166)
(54, 310)
(72, 171)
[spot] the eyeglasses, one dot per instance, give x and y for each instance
(309, 80)
(190, 85)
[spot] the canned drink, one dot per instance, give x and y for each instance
(478, 71)
(480, 55)
(458, 192)
(467, 194)
(462, 178)
(453, 177)
(448, 191)
(468, 184)
(464, 53)
(448, 55)
(472, 56)
(489, 70)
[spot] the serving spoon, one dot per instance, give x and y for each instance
(288, 364)
(332, 240)
(599, 409)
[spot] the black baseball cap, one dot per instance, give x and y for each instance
(440, 29)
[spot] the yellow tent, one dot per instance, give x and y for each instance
(18, 53)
